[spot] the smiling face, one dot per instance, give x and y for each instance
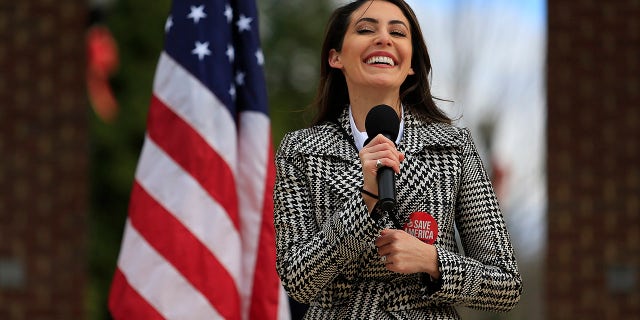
(377, 49)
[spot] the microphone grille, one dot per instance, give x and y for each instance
(382, 119)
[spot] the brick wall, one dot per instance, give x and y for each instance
(593, 79)
(43, 159)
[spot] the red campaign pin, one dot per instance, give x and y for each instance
(422, 226)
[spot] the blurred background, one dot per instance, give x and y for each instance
(550, 92)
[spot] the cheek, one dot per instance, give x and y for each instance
(409, 58)
(407, 52)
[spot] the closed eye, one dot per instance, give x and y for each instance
(364, 31)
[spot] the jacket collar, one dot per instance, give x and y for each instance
(417, 134)
(336, 138)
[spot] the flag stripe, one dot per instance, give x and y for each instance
(197, 106)
(257, 176)
(133, 306)
(202, 162)
(199, 241)
(188, 255)
(158, 282)
(254, 146)
(191, 205)
(266, 281)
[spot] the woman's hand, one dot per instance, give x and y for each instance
(383, 149)
(404, 253)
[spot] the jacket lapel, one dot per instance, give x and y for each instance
(419, 135)
(331, 139)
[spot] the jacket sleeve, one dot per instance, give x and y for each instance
(487, 276)
(310, 256)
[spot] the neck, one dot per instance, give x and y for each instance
(365, 101)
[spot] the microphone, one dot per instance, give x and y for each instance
(382, 119)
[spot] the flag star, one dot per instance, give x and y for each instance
(230, 53)
(168, 24)
(197, 13)
(228, 12)
(244, 23)
(232, 92)
(260, 57)
(240, 78)
(201, 49)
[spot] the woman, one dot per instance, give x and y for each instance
(337, 250)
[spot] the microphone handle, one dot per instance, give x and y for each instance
(386, 188)
(387, 185)
(387, 191)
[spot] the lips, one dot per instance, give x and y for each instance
(383, 58)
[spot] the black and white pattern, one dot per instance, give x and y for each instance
(325, 251)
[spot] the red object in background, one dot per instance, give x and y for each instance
(102, 62)
(499, 176)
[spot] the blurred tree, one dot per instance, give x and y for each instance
(291, 38)
(292, 32)
(138, 30)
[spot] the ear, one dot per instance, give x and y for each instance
(411, 72)
(334, 59)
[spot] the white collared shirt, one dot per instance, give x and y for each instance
(360, 137)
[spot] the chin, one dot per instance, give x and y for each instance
(384, 83)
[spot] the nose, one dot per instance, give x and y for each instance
(383, 39)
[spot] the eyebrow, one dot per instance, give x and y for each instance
(372, 20)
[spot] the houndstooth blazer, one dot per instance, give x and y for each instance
(325, 252)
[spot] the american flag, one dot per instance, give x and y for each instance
(199, 240)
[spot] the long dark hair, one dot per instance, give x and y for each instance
(415, 93)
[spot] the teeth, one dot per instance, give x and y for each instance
(380, 59)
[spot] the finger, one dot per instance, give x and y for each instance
(373, 142)
(379, 138)
(393, 164)
(380, 242)
(380, 141)
(387, 158)
(380, 148)
(385, 238)
(390, 259)
(383, 251)
(378, 152)
(380, 144)
(387, 231)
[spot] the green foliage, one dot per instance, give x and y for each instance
(292, 33)
(291, 38)
(139, 30)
